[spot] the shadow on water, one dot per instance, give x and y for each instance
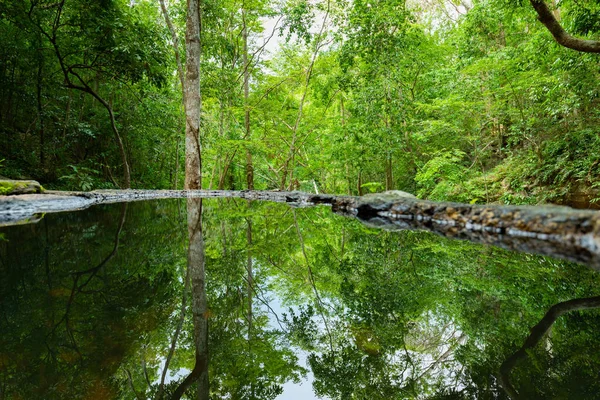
(116, 302)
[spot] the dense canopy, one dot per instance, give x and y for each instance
(473, 101)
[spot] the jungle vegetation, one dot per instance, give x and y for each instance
(474, 101)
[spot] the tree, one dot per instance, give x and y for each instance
(191, 97)
(73, 71)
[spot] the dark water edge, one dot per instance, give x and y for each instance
(91, 300)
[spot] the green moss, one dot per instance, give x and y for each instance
(7, 187)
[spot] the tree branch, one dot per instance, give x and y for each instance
(562, 37)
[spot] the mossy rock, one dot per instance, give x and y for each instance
(10, 187)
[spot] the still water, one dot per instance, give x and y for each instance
(300, 304)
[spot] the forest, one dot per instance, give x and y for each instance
(477, 102)
(471, 101)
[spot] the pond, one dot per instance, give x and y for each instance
(299, 303)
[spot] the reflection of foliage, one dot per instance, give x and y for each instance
(85, 311)
(419, 315)
(381, 315)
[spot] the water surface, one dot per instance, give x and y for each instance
(301, 304)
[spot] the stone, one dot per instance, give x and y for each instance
(12, 187)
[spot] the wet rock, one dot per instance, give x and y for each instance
(548, 230)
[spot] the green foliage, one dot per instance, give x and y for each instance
(481, 106)
(300, 16)
(81, 177)
(441, 174)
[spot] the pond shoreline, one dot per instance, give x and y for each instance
(15, 207)
(556, 231)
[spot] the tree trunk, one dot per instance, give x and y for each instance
(193, 180)
(191, 98)
(249, 166)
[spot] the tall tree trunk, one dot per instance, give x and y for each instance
(40, 107)
(249, 166)
(191, 98)
(193, 181)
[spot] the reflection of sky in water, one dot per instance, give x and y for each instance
(302, 390)
(291, 390)
(435, 337)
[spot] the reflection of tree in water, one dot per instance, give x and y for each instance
(197, 275)
(538, 332)
(247, 358)
(65, 327)
(379, 315)
(81, 279)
